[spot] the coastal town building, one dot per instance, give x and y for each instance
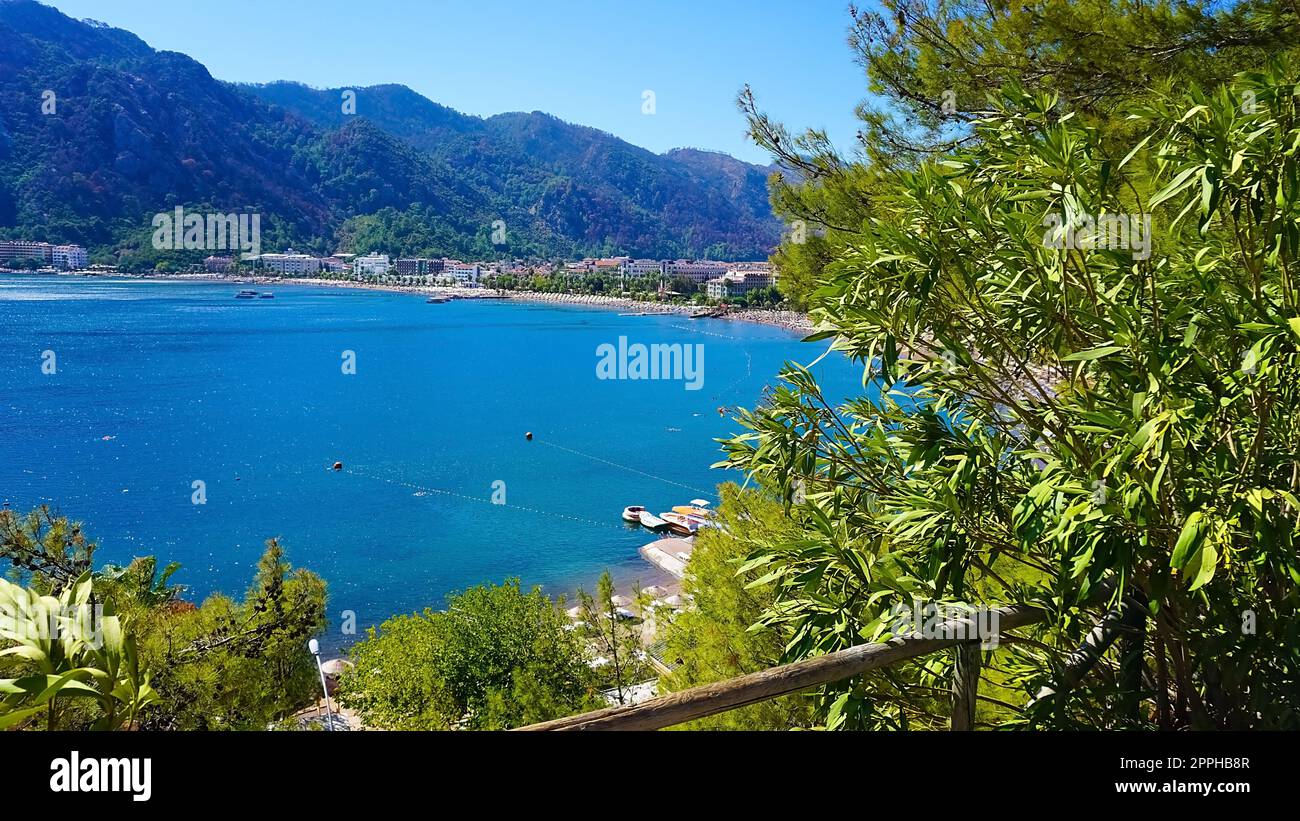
(754, 277)
(337, 263)
(418, 266)
(41, 252)
(643, 268)
(735, 283)
(465, 273)
(69, 257)
(217, 265)
(290, 263)
(694, 271)
(370, 265)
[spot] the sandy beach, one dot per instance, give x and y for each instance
(790, 320)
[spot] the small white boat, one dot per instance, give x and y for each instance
(266, 295)
(246, 294)
(650, 521)
(632, 513)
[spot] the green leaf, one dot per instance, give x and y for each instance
(1179, 182)
(1187, 539)
(1201, 568)
(1092, 353)
(15, 717)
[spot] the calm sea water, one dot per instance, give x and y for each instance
(160, 384)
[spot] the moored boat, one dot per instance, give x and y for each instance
(706, 523)
(246, 294)
(679, 524)
(632, 513)
(693, 510)
(266, 295)
(650, 521)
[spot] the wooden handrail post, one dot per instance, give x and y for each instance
(720, 696)
(965, 684)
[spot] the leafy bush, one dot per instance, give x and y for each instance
(497, 657)
(1102, 431)
(63, 650)
(219, 665)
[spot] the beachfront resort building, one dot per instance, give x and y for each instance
(370, 265)
(418, 266)
(736, 283)
(465, 273)
(291, 264)
(69, 257)
(643, 269)
(217, 265)
(337, 263)
(41, 252)
(695, 271)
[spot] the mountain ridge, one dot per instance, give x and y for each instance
(137, 131)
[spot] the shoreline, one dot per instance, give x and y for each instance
(792, 321)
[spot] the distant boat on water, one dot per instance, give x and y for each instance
(438, 299)
(632, 513)
(246, 294)
(267, 295)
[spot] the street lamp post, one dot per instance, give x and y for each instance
(314, 647)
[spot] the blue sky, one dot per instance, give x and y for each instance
(585, 61)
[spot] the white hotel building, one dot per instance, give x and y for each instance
(69, 257)
(738, 282)
(370, 265)
(465, 273)
(697, 272)
(290, 263)
(642, 268)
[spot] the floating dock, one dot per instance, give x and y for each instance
(669, 555)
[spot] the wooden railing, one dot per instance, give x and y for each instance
(721, 696)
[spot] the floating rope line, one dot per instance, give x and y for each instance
(361, 471)
(749, 373)
(624, 467)
(749, 360)
(706, 333)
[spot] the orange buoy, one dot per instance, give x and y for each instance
(529, 436)
(338, 466)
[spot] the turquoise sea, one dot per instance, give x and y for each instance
(159, 384)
